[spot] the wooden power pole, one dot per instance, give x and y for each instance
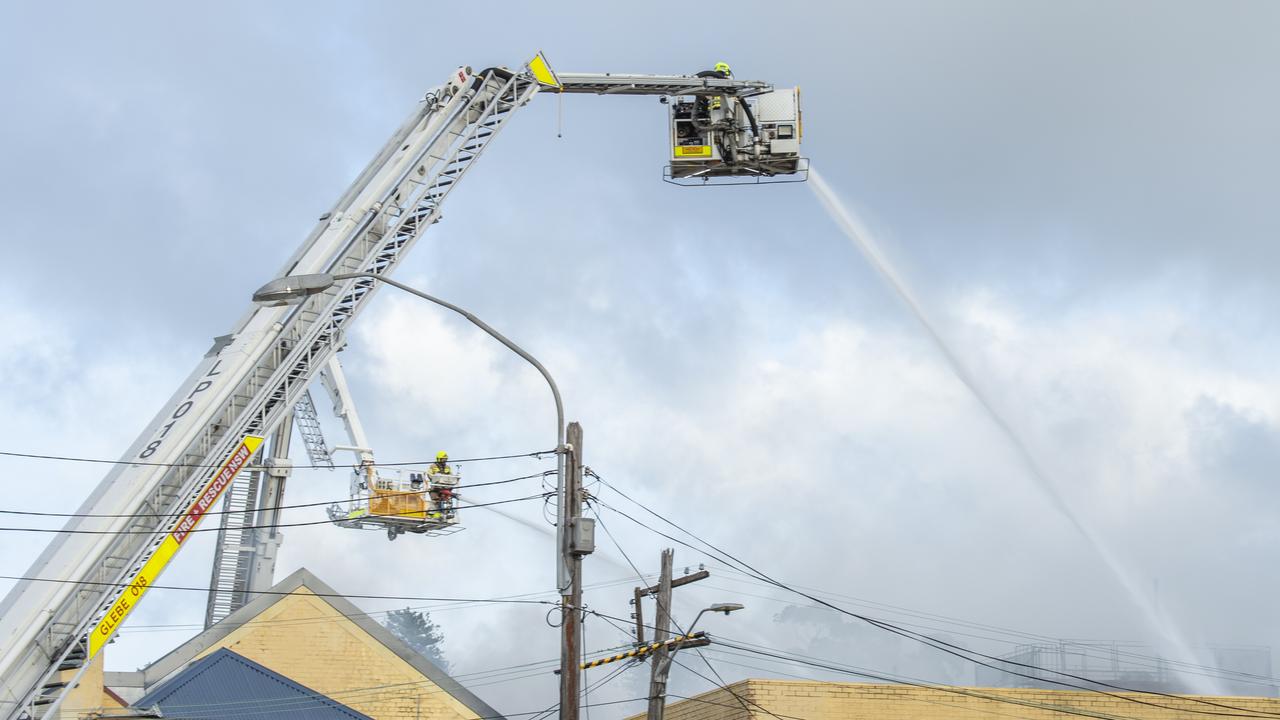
(661, 632)
(579, 540)
(661, 656)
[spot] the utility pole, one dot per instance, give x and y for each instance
(579, 540)
(663, 645)
(662, 631)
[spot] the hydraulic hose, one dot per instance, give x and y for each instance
(751, 118)
(498, 72)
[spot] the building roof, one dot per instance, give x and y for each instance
(225, 684)
(773, 699)
(301, 580)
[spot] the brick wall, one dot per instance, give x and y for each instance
(87, 697)
(804, 700)
(305, 639)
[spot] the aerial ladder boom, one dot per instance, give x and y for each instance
(244, 386)
(81, 587)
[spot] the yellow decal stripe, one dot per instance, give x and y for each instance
(693, 151)
(151, 569)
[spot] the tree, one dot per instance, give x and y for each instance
(418, 632)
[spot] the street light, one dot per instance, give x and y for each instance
(725, 608)
(294, 288)
(662, 666)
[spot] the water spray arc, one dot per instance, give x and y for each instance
(855, 230)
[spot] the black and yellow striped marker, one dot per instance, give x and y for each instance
(644, 650)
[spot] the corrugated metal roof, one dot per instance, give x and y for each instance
(225, 684)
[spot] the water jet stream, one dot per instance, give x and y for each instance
(857, 233)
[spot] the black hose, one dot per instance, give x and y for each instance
(500, 73)
(503, 73)
(751, 117)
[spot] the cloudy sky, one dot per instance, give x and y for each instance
(1079, 195)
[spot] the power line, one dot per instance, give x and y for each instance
(722, 686)
(682, 631)
(775, 671)
(100, 461)
(583, 693)
(318, 619)
(410, 598)
(602, 615)
(882, 677)
(371, 694)
(936, 643)
(616, 544)
(134, 516)
(371, 516)
(538, 455)
(931, 641)
(893, 676)
(1083, 648)
(582, 657)
(930, 686)
(375, 693)
(360, 695)
(608, 620)
(861, 672)
(601, 682)
(912, 635)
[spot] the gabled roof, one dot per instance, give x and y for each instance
(302, 578)
(225, 684)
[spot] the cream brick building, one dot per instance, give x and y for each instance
(305, 631)
(811, 700)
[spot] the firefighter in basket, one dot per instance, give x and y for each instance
(441, 497)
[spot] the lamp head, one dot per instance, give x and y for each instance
(292, 289)
(725, 608)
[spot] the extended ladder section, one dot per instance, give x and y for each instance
(247, 384)
(248, 534)
(308, 422)
(661, 85)
(233, 558)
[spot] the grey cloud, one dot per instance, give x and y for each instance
(1235, 448)
(1091, 167)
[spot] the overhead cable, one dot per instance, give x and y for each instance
(1138, 659)
(936, 643)
(101, 461)
(339, 616)
(348, 596)
(468, 486)
(370, 516)
(911, 682)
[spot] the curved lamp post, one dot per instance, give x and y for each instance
(294, 288)
(658, 684)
